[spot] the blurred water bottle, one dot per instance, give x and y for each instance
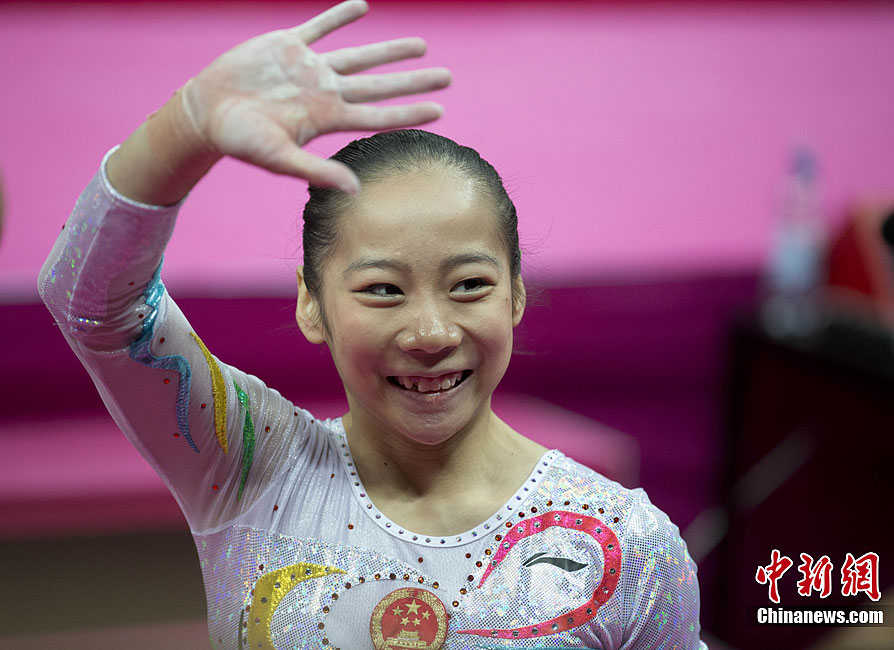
(795, 272)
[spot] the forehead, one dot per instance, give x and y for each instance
(419, 217)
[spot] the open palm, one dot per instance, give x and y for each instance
(263, 99)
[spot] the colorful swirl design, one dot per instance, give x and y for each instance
(218, 394)
(248, 440)
(141, 352)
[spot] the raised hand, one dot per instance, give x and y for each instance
(267, 96)
(263, 99)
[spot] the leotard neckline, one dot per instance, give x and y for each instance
(505, 512)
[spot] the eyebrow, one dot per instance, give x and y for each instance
(402, 267)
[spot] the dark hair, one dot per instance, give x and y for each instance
(383, 154)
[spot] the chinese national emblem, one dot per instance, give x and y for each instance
(409, 618)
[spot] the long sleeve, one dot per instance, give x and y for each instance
(101, 265)
(216, 436)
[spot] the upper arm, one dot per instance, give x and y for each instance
(215, 435)
(661, 595)
(202, 425)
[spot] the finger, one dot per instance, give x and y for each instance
(295, 161)
(371, 88)
(354, 59)
(359, 117)
(330, 20)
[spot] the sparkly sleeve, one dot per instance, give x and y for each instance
(661, 596)
(216, 436)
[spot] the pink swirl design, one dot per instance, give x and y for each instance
(611, 571)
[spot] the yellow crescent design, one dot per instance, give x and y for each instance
(269, 591)
(219, 393)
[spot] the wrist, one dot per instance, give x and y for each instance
(176, 142)
(163, 159)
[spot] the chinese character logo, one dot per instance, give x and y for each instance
(770, 574)
(857, 575)
(816, 576)
(860, 574)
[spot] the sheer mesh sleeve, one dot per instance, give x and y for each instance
(201, 424)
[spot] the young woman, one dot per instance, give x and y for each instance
(418, 519)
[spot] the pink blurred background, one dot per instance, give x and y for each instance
(643, 143)
(636, 138)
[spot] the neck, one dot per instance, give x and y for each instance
(419, 486)
(390, 462)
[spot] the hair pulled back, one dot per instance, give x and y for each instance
(394, 152)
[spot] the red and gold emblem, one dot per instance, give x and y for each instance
(409, 618)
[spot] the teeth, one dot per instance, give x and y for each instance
(428, 384)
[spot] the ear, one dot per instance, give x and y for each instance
(307, 312)
(519, 300)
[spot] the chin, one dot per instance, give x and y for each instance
(433, 429)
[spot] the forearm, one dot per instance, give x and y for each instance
(101, 263)
(163, 159)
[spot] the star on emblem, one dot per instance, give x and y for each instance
(413, 608)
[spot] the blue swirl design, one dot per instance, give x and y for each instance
(141, 352)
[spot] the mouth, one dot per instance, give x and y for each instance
(441, 384)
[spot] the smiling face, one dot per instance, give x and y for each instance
(418, 305)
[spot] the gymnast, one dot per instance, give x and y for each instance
(418, 519)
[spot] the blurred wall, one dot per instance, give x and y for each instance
(636, 138)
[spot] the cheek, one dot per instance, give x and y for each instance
(353, 341)
(493, 331)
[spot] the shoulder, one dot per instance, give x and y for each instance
(629, 511)
(649, 540)
(658, 578)
(592, 488)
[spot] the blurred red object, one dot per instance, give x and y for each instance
(861, 263)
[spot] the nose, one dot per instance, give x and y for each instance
(430, 330)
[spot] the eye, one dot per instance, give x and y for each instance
(471, 285)
(382, 290)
